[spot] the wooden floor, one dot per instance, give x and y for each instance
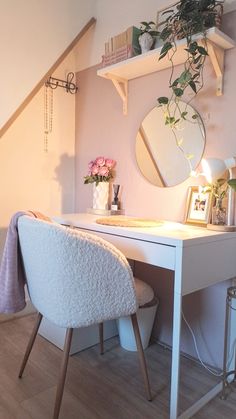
(97, 387)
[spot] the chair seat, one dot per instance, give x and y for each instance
(144, 292)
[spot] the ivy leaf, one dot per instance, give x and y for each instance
(202, 50)
(180, 141)
(196, 60)
(165, 33)
(167, 11)
(195, 76)
(166, 47)
(170, 120)
(163, 100)
(189, 156)
(193, 86)
(178, 92)
(184, 114)
(185, 77)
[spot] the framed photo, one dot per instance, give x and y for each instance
(198, 208)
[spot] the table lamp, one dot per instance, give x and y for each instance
(214, 169)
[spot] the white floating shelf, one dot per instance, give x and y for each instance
(143, 64)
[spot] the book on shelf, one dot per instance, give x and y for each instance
(122, 46)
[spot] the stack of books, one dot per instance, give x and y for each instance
(122, 46)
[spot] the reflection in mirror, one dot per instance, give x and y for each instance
(167, 155)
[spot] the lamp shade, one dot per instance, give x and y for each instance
(213, 169)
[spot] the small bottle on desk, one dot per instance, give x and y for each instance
(115, 203)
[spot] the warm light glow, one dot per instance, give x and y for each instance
(213, 169)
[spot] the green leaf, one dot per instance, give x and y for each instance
(165, 33)
(232, 184)
(167, 11)
(185, 77)
(193, 86)
(170, 120)
(178, 92)
(166, 47)
(184, 114)
(197, 59)
(163, 100)
(202, 50)
(175, 83)
(195, 76)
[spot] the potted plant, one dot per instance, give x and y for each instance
(219, 191)
(185, 19)
(148, 34)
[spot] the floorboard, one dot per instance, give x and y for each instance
(98, 386)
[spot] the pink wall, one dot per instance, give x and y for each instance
(101, 129)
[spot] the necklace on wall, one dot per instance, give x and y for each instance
(48, 115)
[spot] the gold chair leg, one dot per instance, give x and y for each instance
(30, 344)
(62, 376)
(101, 338)
(142, 360)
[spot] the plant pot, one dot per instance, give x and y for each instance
(145, 41)
(219, 213)
(100, 195)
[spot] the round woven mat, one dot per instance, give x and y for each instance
(128, 222)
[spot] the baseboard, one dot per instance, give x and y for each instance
(29, 309)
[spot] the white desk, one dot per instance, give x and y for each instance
(198, 257)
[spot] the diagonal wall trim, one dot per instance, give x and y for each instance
(15, 115)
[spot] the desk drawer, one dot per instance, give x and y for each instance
(153, 253)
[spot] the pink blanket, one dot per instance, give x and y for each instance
(12, 277)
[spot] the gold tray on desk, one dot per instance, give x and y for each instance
(129, 222)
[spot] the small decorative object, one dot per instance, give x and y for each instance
(198, 207)
(48, 116)
(115, 202)
(219, 213)
(100, 173)
(148, 36)
(182, 20)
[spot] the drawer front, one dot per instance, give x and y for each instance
(153, 253)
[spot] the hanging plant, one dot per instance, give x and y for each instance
(186, 18)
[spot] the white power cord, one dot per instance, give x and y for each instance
(217, 374)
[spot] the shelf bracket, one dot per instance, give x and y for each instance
(216, 55)
(121, 86)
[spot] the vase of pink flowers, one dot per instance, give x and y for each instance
(100, 172)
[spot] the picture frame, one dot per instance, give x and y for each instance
(198, 208)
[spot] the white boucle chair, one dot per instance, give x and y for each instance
(76, 279)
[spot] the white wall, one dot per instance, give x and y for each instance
(112, 134)
(31, 178)
(33, 34)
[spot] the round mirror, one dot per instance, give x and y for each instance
(166, 156)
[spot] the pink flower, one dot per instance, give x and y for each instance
(110, 163)
(95, 170)
(100, 161)
(90, 165)
(103, 171)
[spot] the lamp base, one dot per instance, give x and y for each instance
(218, 227)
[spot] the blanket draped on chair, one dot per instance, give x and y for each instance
(12, 276)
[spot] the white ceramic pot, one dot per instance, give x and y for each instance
(100, 195)
(145, 42)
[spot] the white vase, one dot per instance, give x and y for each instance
(100, 195)
(145, 42)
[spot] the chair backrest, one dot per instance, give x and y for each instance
(74, 279)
